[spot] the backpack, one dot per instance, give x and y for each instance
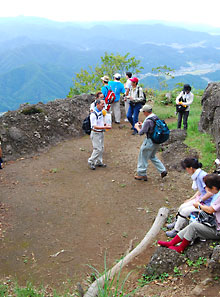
(143, 102)
(110, 97)
(86, 126)
(161, 132)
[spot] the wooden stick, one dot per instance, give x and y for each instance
(152, 233)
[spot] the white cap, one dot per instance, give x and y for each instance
(117, 75)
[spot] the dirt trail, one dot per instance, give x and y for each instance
(56, 203)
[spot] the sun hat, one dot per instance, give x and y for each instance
(134, 79)
(105, 78)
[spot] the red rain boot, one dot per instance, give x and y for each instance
(173, 242)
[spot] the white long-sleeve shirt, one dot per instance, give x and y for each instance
(187, 99)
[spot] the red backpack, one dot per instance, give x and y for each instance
(110, 97)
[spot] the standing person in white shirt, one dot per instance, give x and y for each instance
(127, 90)
(185, 99)
(97, 135)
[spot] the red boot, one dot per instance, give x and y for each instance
(173, 242)
(180, 248)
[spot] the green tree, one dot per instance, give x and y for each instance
(88, 81)
(163, 73)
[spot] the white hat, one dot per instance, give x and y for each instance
(117, 75)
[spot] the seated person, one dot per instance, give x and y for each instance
(197, 229)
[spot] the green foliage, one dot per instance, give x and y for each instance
(3, 290)
(146, 279)
(201, 261)
(163, 73)
(88, 81)
(113, 287)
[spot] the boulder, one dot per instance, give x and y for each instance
(210, 117)
(33, 128)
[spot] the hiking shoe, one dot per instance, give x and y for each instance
(163, 174)
(101, 165)
(134, 132)
(171, 225)
(171, 233)
(141, 177)
(91, 166)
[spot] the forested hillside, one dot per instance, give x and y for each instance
(39, 58)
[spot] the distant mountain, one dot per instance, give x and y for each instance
(39, 57)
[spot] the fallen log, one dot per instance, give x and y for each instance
(151, 234)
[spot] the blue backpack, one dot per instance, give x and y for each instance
(161, 132)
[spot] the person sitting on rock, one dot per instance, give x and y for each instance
(193, 167)
(197, 229)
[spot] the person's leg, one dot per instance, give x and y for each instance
(137, 108)
(130, 115)
(179, 120)
(184, 211)
(144, 155)
(117, 111)
(99, 160)
(126, 107)
(157, 163)
(185, 119)
(96, 148)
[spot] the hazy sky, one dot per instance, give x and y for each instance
(189, 11)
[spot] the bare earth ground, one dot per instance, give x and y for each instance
(58, 216)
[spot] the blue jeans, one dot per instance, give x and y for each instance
(133, 113)
(148, 152)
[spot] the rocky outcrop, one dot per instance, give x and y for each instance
(164, 259)
(174, 150)
(210, 117)
(34, 128)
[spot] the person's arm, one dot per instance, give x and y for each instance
(178, 97)
(193, 197)
(206, 196)
(189, 100)
(206, 208)
(93, 121)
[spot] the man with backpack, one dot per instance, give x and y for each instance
(149, 148)
(117, 87)
(97, 135)
(135, 97)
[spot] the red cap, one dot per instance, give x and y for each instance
(134, 79)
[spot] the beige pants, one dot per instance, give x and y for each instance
(115, 108)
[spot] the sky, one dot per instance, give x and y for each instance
(189, 11)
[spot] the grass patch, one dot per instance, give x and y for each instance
(203, 143)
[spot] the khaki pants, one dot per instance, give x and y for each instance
(98, 147)
(115, 107)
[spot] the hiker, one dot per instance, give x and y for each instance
(199, 229)
(193, 167)
(118, 88)
(97, 135)
(99, 95)
(1, 161)
(127, 89)
(148, 148)
(135, 97)
(183, 102)
(105, 79)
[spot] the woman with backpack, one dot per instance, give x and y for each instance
(200, 228)
(193, 167)
(183, 102)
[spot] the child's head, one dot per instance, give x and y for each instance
(191, 163)
(212, 182)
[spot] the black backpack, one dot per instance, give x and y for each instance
(86, 126)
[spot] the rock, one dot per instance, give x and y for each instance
(199, 249)
(164, 260)
(214, 262)
(210, 117)
(33, 128)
